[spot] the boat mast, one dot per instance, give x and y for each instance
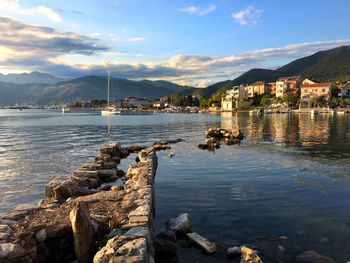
(109, 75)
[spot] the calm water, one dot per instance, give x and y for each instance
(290, 176)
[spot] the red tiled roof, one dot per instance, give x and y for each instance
(257, 83)
(317, 85)
(291, 78)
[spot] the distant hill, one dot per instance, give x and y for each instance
(86, 88)
(330, 65)
(33, 77)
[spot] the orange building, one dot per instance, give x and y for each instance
(287, 85)
(309, 91)
(258, 88)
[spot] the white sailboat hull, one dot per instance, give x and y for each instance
(108, 113)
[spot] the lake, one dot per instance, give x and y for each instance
(289, 177)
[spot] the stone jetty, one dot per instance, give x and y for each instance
(83, 218)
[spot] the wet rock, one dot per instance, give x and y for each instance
(136, 148)
(202, 242)
(168, 235)
(165, 247)
(5, 229)
(4, 236)
(15, 215)
(313, 257)
(106, 187)
(10, 251)
(203, 146)
(181, 224)
(26, 207)
(120, 173)
(83, 232)
(249, 255)
(114, 233)
(41, 235)
(233, 252)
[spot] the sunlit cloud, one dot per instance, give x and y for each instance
(49, 13)
(248, 16)
(15, 6)
(193, 10)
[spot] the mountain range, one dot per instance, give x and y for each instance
(86, 88)
(327, 66)
(41, 88)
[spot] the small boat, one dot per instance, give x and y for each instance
(65, 110)
(314, 112)
(267, 111)
(109, 110)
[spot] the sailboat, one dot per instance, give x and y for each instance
(109, 110)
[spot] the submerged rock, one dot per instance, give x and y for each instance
(202, 242)
(312, 256)
(181, 224)
(41, 235)
(233, 252)
(168, 235)
(165, 247)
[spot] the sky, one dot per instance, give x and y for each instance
(189, 42)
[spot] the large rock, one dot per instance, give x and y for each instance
(83, 232)
(313, 257)
(165, 247)
(181, 224)
(233, 252)
(249, 256)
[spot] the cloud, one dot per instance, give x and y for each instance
(136, 39)
(248, 16)
(49, 13)
(66, 54)
(31, 40)
(193, 10)
(115, 38)
(15, 6)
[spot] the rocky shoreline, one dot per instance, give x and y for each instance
(83, 219)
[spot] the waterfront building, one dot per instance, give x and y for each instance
(272, 87)
(344, 90)
(309, 91)
(236, 98)
(309, 81)
(136, 102)
(258, 88)
(286, 85)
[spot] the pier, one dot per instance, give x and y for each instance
(85, 219)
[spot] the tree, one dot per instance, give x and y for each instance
(290, 99)
(266, 101)
(203, 102)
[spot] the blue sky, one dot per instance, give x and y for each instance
(195, 42)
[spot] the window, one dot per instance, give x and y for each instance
(323, 90)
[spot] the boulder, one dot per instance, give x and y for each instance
(249, 255)
(313, 257)
(233, 252)
(83, 232)
(41, 235)
(181, 224)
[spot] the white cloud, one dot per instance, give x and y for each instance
(193, 10)
(15, 7)
(248, 16)
(136, 39)
(49, 13)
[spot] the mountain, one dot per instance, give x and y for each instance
(86, 88)
(33, 77)
(330, 65)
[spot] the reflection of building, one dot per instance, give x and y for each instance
(136, 102)
(287, 85)
(258, 88)
(309, 91)
(314, 131)
(236, 98)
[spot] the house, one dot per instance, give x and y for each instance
(286, 85)
(272, 87)
(236, 98)
(160, 104)
(344, 90)
(134, 102)
(258, 88)
(309, 91)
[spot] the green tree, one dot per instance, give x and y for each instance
(290, 99)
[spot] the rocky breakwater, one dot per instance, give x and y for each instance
(99, 213)
(216, 136)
